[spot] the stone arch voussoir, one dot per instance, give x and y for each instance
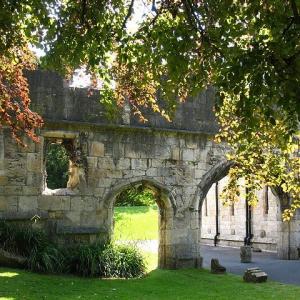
(167, 195)
(216, 173)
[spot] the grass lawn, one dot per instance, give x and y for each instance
(158, 284)
(139, 223)
(136, 223)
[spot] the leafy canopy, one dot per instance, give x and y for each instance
(248, 49)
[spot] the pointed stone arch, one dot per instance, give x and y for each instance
(216, 173)
(167, 209)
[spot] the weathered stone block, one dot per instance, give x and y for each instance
(33, 162)
(255, 275)
(31, 191)
(13, 190)
(123, 163)
(246, 254)
(139, 164)
(8, 259)
(54, 202)
(176, 153)
(26, 202)
(92, 162)
(216, 268)
(8, 203)
(97, 149)
(188, 154)
(106, 163)
(152, 172)
(3, 180)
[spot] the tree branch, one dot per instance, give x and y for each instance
(129, 13)
(295, 11)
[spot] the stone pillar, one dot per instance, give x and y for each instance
(183, 249)
(288, 240)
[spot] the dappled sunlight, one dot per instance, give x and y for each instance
(8, 274)
(136, 223)
(151, 261)
(7, 298)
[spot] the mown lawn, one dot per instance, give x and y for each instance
(136, 223)
(158, 284)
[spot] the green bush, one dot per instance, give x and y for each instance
(136, 196)
(21, 239)
(121, 262)
(48, 259)
(83, 260)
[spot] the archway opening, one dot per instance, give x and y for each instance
(141, 214)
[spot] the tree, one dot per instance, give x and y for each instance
(249, 50)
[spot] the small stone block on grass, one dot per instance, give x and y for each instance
(216, 268)
(255, 275)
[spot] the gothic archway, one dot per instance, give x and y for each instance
(166, 205)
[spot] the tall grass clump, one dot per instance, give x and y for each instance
(88, 260)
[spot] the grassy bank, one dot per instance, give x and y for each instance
(136, 223)
(158, 284)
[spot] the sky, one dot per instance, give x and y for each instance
(80, 77)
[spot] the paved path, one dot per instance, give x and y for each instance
(285, 271)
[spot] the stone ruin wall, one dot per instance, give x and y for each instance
(232, 225)
(171, 158)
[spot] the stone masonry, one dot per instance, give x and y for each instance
(178, 160)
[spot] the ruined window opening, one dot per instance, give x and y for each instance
(266, 200)
(56, 165)
(64, 169)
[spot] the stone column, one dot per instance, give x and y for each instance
(288, 240)
(183, 249)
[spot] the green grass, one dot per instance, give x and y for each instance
(136, 223)
(159, 284)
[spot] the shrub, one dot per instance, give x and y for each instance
(121, 262)
(46, 260)
(136, 196)
(21, 239)
(83, 260)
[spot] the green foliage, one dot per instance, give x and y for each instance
(136, 196)
(249, 50)
(47, 259)
(57, 166)
(83, 260)
(104, 261)
(21, 239)
(121, 262)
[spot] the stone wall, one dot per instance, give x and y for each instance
(178, 160)
(170, 162)
(232, 220)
